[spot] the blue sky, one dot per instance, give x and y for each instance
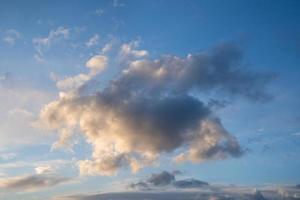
(56, 51)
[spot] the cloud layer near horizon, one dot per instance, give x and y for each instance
(168, 179)
(218, 193)
(153, 107)
(32, 182)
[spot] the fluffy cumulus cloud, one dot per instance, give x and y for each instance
(128, 50)
(96, 64)
(153, 107)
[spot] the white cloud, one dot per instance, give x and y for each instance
(60, 32)
(70, 85)
(2, 174)
(39, 58)
(11, 36)
(99, 12)
(128, 51)
(93, 41)
(117, 3)
(54, 164)
(73, 82)
(107, 47)
(43, 43)
(21, 111)
(97, 64)
(44, 169)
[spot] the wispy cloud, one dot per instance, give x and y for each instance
(296, 134)
(29, 183)
(7, 155)
(43, 43)
(118, 3)
(99, 12)
(11, 36)
(38, 165)
(93, 41)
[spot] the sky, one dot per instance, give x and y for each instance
(149, 98)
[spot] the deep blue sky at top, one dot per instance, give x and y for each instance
(269, 28)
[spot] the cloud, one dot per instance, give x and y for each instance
(39, 166)
(44, 169)
(106, 165)
(118, 3)
(190, 183)
(99, 12)
(107, 47)
(97, 64)
(296, 134)
(128, 51)
(153, 107)
(73, 82)
(11, 36)
(45, 176)
(43, 43)
(8, 155)
(165, 178)
(30, 183)
(161, 179)
(92, 41)
(53, 35)
(237, 193)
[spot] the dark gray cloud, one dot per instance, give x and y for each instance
(161, 179)
(153, 107)
(31, 182)
(189, 183)
(141, 185)
(165, 178)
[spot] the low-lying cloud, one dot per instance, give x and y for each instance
(32, 182)
(168, 179)
(223, 193)
(153, 107)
